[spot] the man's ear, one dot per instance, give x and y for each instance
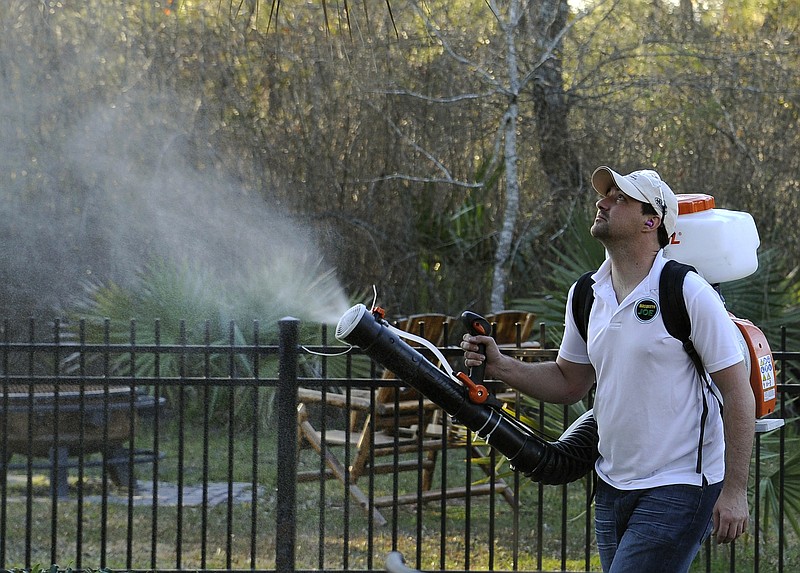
(653, 222)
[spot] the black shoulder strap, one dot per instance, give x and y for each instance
(673, 308)
(678, 324)
(582, 300)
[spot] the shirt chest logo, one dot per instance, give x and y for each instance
(645, 310)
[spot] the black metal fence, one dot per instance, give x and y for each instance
(219, 452)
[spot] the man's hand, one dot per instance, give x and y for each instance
(730, 512)
(471, 345)
(731, 516)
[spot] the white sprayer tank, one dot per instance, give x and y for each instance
(720, 244)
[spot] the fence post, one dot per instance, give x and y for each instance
(287, 445)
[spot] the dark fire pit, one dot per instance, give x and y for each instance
(72, 423)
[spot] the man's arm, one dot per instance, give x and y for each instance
(731, 513)
(559, 382)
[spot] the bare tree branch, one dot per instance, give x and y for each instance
(430, 99)
(447, 176)
(416, 179)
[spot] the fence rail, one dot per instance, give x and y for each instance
(141, 454)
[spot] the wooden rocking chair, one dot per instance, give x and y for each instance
(512, 327)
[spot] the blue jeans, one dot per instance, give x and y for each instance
(652, 530)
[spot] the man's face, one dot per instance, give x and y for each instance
(618, 217)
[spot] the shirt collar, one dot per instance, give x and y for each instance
(650, 283)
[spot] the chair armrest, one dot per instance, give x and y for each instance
(361, 402)
(308, 396)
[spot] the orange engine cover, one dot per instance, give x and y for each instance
(762, 367)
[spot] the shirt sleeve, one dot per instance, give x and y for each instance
(573, 346)
(714, 334)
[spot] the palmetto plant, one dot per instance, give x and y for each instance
(175, 304)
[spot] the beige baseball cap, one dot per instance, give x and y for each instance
(645, 186)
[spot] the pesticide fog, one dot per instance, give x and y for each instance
(114, 191)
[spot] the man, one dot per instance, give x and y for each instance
(659, 492)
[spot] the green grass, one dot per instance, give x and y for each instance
(338, 513)
(332, 530)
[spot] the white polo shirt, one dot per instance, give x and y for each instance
(648, 402)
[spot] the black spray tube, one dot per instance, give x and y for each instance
(563, 461)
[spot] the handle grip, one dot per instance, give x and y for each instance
(477, 325)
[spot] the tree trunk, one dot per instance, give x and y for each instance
(505, 238)
(550, 100)
(546, 21)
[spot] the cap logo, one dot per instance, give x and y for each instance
(653, 178)
(661, 203)
(646, 310)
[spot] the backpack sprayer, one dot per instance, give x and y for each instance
(720, 244)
